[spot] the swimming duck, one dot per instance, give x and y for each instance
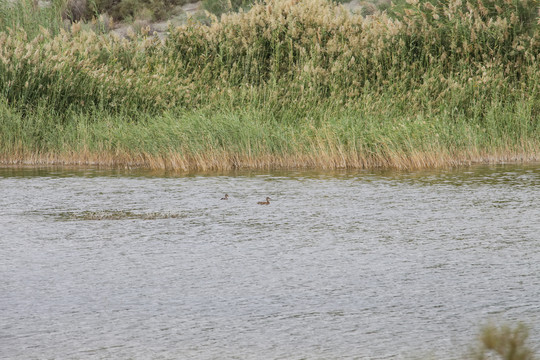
(267, 202)
(226, 197)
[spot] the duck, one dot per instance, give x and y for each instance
(226, 197)
(267, 202)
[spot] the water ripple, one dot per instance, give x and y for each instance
(381, 265)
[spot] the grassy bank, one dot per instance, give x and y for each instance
(287, 84)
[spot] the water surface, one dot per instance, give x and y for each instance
(101, 264)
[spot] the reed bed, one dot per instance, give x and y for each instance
(288, 84)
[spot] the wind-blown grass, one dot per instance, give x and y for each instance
(286, 84)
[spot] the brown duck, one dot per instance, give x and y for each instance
(267, 202)
(226, 197)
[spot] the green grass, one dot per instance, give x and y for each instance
(380, 135)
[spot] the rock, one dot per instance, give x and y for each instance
(192, 8)
(352, 6)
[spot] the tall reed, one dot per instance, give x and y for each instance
(457, 79)
(30, 16)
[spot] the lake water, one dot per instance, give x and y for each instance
(99, 264)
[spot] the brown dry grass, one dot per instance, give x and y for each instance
(222, 160)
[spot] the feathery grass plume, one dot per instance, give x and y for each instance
(280, 50)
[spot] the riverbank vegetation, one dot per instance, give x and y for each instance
(503, 342)
(289, 83)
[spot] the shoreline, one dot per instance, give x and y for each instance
(233, 162)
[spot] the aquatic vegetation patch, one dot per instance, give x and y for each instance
(116, 215)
